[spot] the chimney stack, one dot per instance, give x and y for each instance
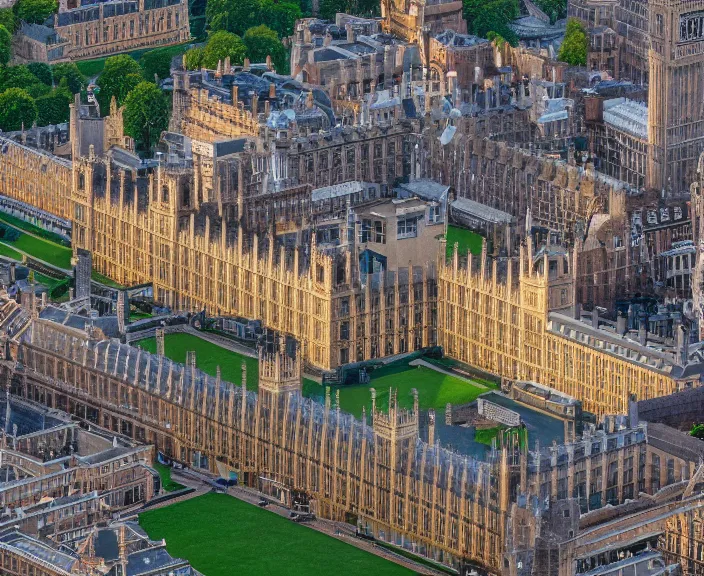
(642, 329)
(621, 324)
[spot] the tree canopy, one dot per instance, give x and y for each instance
(120, 75)
(158, 61)
(280, 16)
(21, 77)
(575, 46)
(234, 16)
(492, 16)
(35, 11)
(146, 114)
(70, 72)
(17, 109)
(5, 45)
(194, 58)
(556, 9)
(41, 72)
(261, 42)
(54, 107)
(222, 45)
(8, 20)
(328, 8)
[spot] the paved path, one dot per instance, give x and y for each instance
(339, 530)
(421, 362)
(221, 341)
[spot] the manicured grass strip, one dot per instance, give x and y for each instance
(222, 536)
(8, 252)
(435, 389)
(33, 229)
(486, 435)
(139, 315)
(44, 250)
(466, 240)
(419, 559)
(98, 277)
(165, 474)
(208, 357)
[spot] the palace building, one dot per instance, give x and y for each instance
(84, 30)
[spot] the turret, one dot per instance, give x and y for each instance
(280, 365)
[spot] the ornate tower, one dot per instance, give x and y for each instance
(676, 78)
(280, 365)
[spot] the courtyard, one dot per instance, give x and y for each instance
(221, 536)
(435, 389)
(467, 241)
(208, 357)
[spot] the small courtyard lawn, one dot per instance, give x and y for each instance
(208, 357)
(486, 435)
(8, 252)
(466, 240)
(222, 536)
(435, 389)
(165, 474)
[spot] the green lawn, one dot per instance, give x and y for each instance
(48, 281)
(486, 435)
(98, 277)
(466, 240)
(44, 250)
(222, 536)
(29, 227)
(435, 389)
(208, 357)
(165, 474)
(139, 315)
(8, 252)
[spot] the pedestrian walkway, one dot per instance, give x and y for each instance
(421, 362)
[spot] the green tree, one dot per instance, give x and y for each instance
(120, 75)
(5, 45)
(234, 16)
(17, 109)
(54, 107)
(146, 114)
(281, 16)
(8, 20)
(221, 45)
(494, 16)
(194, 58)
(70, 72)
(556, 9)
(261, 42)
(697, 431)
(158, 62)
(41, 72)
(35, 11)
(328, 8)
(575, 46)
(21, 77)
